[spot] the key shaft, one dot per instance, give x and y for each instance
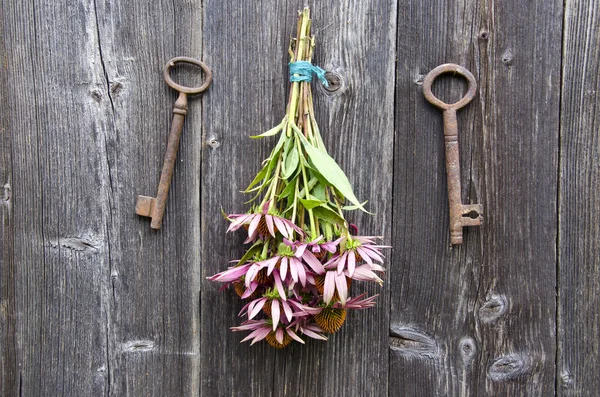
(461, 215)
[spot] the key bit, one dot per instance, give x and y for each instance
(155, 207)
(461, 215)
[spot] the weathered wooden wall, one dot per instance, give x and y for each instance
(93, 302)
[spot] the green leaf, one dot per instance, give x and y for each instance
(260, 176)
(318, 192)
(272, 131)
(289, 189)
(352, 207)
(310, 204)
(311, 184)
(328, 215)
(331, 171)
(291, 163)
(251, 251)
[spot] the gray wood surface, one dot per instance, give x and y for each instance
(93, 302)
(578, 359)
(478, 319)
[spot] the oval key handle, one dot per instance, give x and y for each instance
(188, 90)
(454, 69)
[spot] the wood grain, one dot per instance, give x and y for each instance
(154, 275)
(93, 302)
(478, 319)
(9, 371)
(579, 210)
(60, 247)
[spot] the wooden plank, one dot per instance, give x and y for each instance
(55, 124)
(9, 370)
(154, 295)
(579, 210)
(480, 318)
(357, 125)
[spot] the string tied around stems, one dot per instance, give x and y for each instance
(304, 71)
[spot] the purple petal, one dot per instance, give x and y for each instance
(342, 287)
(351, 263)
(294, 263)
(261, 334)
(312, 334)
(270, 263)
(250, 290)
(293, 335)
(364, 255)
(269, 220)
(283, 267)
(279, 285)
(342, 262)
(287, 310)
(275, 312)
(329, 287)
(313, 262)
(300, 250)
(279, 335)
(265, 207)
(253, 225)
(301, 274)
(281, 226)
(257, 307)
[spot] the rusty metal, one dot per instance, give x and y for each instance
(155, 207)
(461, 215)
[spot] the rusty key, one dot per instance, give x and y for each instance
(461, 215)
(155, 207)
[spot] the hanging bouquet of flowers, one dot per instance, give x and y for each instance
(297, 273)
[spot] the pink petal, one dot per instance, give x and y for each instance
(236, 224)
(351, 263)
(275, 312)
(269, 219)
(342, 262)
(287, 310)
(364, 255)
(342, 287)
(283, 267)
(373, 254)
(279, 285)
(279, 335)
(253, 225)
(293, 335)
(251, 274)
(270, 263)
(313, 262)
(294, 263)
(280, 226)
(302, 274)
(329, 287)
(300, 250)
(250, 290)
(257, 334)
(265, 207)
(257, 307)
(312, 334)
(261, 334)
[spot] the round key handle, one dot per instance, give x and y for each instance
(181, 88)
(455, 70)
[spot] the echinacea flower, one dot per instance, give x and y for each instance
(355, 249)
(280, 337)
(319, 247)
(331, 318)
(263, 223)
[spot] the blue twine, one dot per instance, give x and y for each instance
(305, 72)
